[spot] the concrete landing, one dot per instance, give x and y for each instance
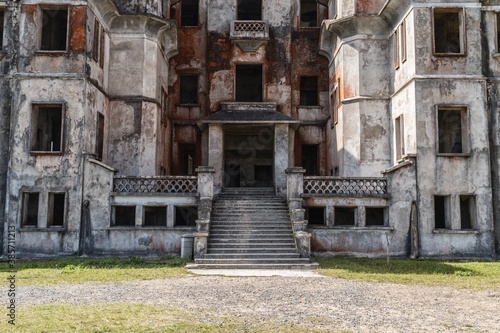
(257, 272)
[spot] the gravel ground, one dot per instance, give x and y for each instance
(319, 302)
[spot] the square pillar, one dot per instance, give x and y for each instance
(281, 152)
(216, 154)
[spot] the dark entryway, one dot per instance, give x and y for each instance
(248, 157)
(249, 83)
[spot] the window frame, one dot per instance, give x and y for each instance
(355, 212)
(51, 212)
(197, 89)
(396, 50)
(181, 24)
(68, 24)
(180, 208)
(385, 219)
(238, 12)
(300, 15)
(447, 211)
(262, 81)
(24, 209)
(402, 43)
(34, 127)
(304, 91)
(399, 140)
(462, 32)
(113, 216)
(307, 217)
(100, 140)
(464, 123)
(2, 28)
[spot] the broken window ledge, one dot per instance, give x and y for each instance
(36, 152)
(151, 228)
(451, 55)
(37, 229)
(352, 228)
(459, 232)
(52, 52)
(463, 155)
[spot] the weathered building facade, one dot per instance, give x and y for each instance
(377, 120)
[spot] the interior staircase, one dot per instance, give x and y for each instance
(250, 229)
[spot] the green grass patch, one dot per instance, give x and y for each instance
(137, 318)
(78, 270)
(456, 274)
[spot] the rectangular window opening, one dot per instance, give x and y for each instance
(155, 216)
(498, 32)
(249, 83)
(2, 16)
(448, 33)
(95, 42)
(441, 212)
(308, 14)
(47, 128)
(30, 209)
(315, 215)
(101, 48)
(310, 160)
(451, 130)
(187, 155)
(250, 10)
(345, 216)
(309, 90)
(404, 50)
(56, 210)
(396, 49)
(467, 212)
(186, 216)
(189, 13)
(375, 216)
(188, 89)
(399, 136)
(99, 136)
(124, 216)
(54, 29)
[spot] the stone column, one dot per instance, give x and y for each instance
(280, 158)
(206, 192)
(295, 182)
(216, 154)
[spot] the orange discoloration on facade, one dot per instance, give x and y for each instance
(369, 6)
(77, 28)
(29, 9)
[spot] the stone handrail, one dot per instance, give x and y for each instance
(249, 29)
(336, 186)
(156, 184)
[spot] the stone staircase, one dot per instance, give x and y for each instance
(250, 228)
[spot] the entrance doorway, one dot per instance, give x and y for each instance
(248, 157)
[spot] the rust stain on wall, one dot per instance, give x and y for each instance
(77, 28)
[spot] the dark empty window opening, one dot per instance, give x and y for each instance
(399, 136)
(315, 215)
(187, 154)
(47, 128)
(308, 13)
(375, 216)
(96, 41)
(447, 31)
(155, 216)
(99, 136)
(441, 212)
(308, 90)
(2, 15)
(310, 159)
(186, 216)
(249, 83)
(249, 10)
(467, 212)
(498, 32)
(56, 210)
(450, 131)
(188, 89)
(30, 209)
(54, 30)
(345, 216)
(189, 13)
(124, 216)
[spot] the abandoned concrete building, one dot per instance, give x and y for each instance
(270, 130)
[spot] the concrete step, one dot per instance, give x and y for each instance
(267, 245)
(267, 255)
(252, 230)
(254, 261)
(248, 236)
(309, 266)
(252, 250)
